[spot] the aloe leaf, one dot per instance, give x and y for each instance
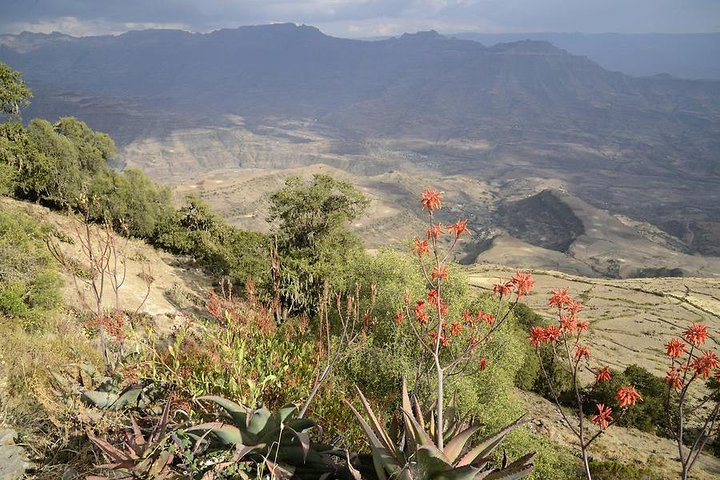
(99, 399)
(301, 424)
(158, 467)
(237, 412)
(380, 431)
(227, 434)
(113, 452)
(258, 420)
(431, 461)
(285, 412)
(129, 398)
(463, 473)
(420, 435)
(455, 446)
(488, 444)
(382, 459)
(407, 406)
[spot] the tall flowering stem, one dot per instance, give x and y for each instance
(565, 341)
(690, 362)
(450, 343)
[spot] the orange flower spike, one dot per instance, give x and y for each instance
(431, 200)
(455, 328)
(675, 348)
(568, 324)
(468, 317)
(420, 313)
(697, 334)
(705, 363)
(559, 298)
(603, 375)
(673, 378)
(502, 289)
(420, 247)
(603, 417)
(537, 336)
(573, 308)
(434, 231)
(458, 228)
(627, 396)
(523, 282)
(399, 317)
(439, 273)
(581, 352)
(487, 318)
(552, 333)
(432, 297)
(482, 364)
(581, 326)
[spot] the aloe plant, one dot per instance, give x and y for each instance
(143, 457)
(410, 453)
(278, 440)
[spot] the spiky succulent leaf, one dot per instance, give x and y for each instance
(455, 446)
(488, 444)
(226, 434)
(431, 462)
(236, 411)
(258, 420)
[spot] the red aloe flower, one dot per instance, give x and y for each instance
(697, 334)
(704, 363)
(468, 317)
(455, 328)
(552, 333)
(420, 313)
(537, 336)
(573, 308)
(487, 318)
(581, 351)
(523, 282)
(603, 417)
(420, 247)
(559, 298)
(582, 326)
(673, 378)
(434, 231)
(431, 200)
(567, 324)
(458, 228)
(440, 273)
(502, 288)
(483, 363)
(675, 348)
(603, 375)
(399, 318)
(627, 396)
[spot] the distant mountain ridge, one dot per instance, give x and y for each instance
(645, 147)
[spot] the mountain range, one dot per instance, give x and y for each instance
(515, 115)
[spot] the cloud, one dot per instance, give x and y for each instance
(361, 17)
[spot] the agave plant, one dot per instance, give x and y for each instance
(278, 440)
(409, 453)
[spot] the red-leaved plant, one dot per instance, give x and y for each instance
(565, 341)
(691, 362)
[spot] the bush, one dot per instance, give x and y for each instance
(29, 281)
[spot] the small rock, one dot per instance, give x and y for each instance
(13, 462)
(7, 437)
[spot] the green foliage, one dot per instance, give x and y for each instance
(650, 415)
(14, 94)
(29, 282)
(225, 250)
(313, 243)
(612, 470)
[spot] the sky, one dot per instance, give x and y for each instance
(364, 18)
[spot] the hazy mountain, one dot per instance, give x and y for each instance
(177, 101)
(693, 56)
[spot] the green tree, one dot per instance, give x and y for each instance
(14, 94)
(312, 238)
